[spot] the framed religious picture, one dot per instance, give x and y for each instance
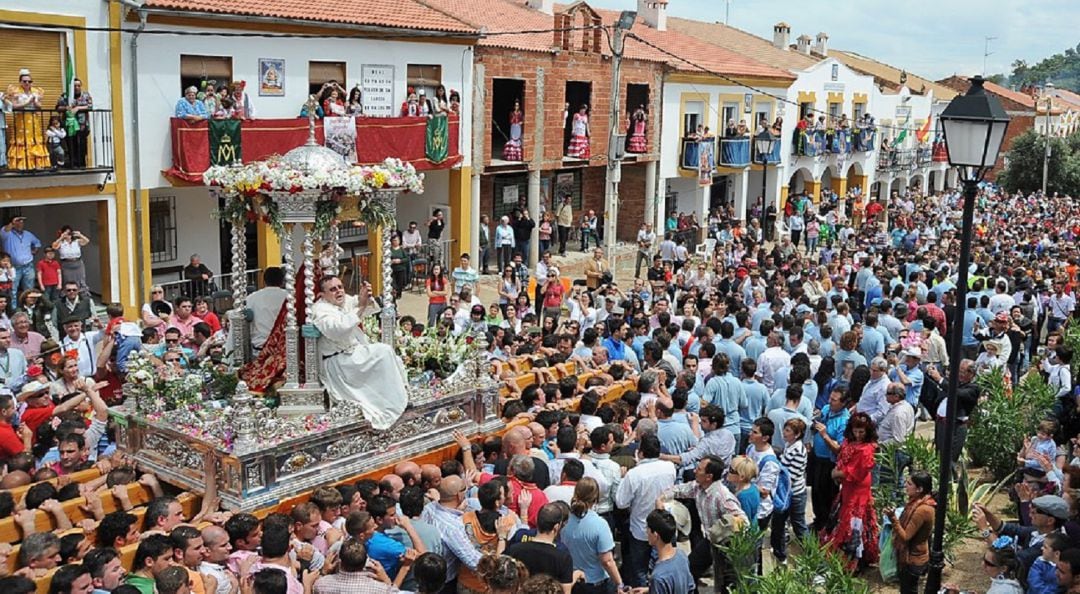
(271, 77)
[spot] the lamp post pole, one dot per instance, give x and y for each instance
(956, 353)
(764, 187)
(614, 166)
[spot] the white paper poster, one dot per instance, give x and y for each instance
(377, 83)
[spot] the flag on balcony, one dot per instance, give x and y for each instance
(437, 145)
(923, 133)
(224, 142)
(900, 138)
(69, 76)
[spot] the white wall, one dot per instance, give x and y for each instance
(671, 132)
(197, 229)
(417, 207)
(159, 78)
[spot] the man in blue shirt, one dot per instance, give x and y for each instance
(828, 429)
(21, 245)
(614, 343)
(724, 391)
(728, 346)
(909, 374)
(754, 403)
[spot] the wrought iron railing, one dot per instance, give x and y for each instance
(201, 288)
(35, 149)
(771, 158)
(864, 140)
(809, 143)
(839, 142)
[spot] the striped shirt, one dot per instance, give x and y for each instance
(794, 460)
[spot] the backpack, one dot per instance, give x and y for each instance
(781, 495)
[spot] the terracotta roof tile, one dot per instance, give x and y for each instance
(502, 15)
(1021, 98)
(743, 43)
(891, 74)
(405, 14)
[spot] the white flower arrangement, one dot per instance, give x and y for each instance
(275, 175)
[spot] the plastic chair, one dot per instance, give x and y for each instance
(705, 250)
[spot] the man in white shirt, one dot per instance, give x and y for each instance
(84, 344)
(639, 491)
(872, 401)
(645, 239)
(411, 240)
(774, 359)
(899, 420)
(265, 305)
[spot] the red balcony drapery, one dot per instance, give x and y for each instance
(376, 140)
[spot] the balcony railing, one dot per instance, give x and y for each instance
(690, 157)
(771, 158)
(809, 143)
(735, 152)
(864, 140)
(896, 160)
(33, 149)
(839, 142)
(924, 156)
(376, 139)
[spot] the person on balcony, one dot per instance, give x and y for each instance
(198, 276)
(55, 137)
(731, 130)
(242, 108)
(77, 105)
(579, 134)
(356, 370)
(355, 105)
(455, 101)
(27, 149)
(512, 148)
(743, 129)
(441, 105)
(210, 97)
(638, 125)
(190, 108)
(333, 103)
(777, 126)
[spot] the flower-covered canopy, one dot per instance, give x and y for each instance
(275, 174)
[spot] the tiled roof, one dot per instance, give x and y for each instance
(502, 15)
(404, 14)
(743, 43)
(960, 84)
(1067, 96)
(890, 75)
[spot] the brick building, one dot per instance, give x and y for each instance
(551, 74)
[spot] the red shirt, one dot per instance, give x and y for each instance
(49, 272)
(553, 294)
(34, 417)
(10, 443)
(212, 319)
(539, 499)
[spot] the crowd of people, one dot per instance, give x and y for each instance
(748, 388)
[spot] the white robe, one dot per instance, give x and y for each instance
(367, 374)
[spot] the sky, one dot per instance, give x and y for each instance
(933, 39)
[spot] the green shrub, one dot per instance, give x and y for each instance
(817, 570)
(1002, 420)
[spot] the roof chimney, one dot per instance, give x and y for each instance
(821, 46)
(781, 35)
(654, 13)
(802, 43)
(544, 6)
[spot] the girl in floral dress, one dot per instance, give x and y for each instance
(853, 527)
(579, 135)
(512, 149)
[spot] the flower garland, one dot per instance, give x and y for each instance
(427, 357)
(247, 188)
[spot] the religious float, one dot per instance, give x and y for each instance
(205, 431)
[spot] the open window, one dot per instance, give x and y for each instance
(320, 73)
(197, 70)
(426, 77)
(578, 95)
(637, 114)
(835, 109)
(508, 125)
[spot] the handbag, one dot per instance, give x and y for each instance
(887, 563)
(724, 527)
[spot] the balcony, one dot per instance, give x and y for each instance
(735, 152)
(864, 140)
(771, 158)
(30, 153)
(809, 143)
(376, 140)
(691, 155)
(896, 160)
(839, 142)
(939, 154)
(924, 156)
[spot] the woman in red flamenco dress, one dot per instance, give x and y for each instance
(853, 527)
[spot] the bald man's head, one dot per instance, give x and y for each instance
(450, 490)
(15, 478)
(430, 476)
(391, 485)
(409, 472)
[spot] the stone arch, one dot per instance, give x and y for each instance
(799, 181)
(827, 178)
(917, 181)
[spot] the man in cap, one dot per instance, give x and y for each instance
(1048, 513)
(908, 374)
(21, 245)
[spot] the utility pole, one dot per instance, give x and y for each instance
(986, 51)
(614, 167)
(1048, 90)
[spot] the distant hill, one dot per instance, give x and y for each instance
(1061, 69)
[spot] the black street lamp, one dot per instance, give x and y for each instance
(764, 144)
(974, 125)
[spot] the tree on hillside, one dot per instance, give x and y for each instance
(1061, 69)
(1024, 167)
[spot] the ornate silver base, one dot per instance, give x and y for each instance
(260, 474)
(300, 402)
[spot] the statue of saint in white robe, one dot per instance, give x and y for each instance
(354, 369)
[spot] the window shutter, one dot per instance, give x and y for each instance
(40, 51)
